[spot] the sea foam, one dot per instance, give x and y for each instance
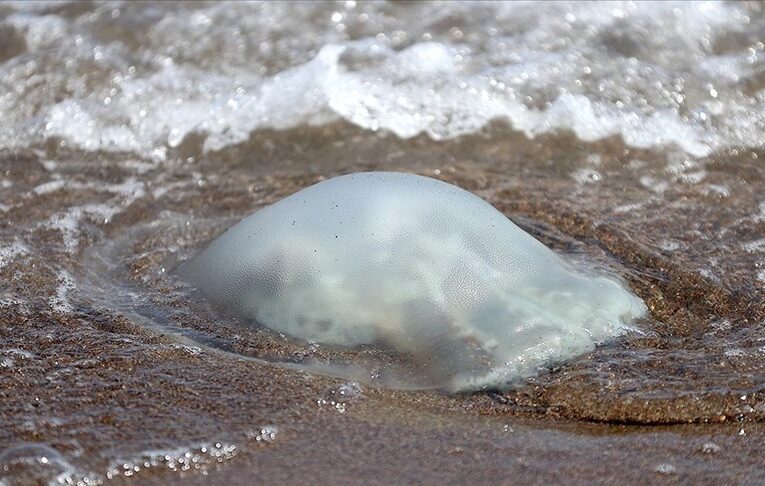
(223, 71)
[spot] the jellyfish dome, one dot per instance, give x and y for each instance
(416, 264)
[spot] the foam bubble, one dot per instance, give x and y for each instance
(587, 176)
(666, 469)
(181, 459)
(710, 448)
(265, 434)
(338, 398)
(35, 463)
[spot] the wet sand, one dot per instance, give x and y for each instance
(114, 400)
(115, 372)
(104, 390)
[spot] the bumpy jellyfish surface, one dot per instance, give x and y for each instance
(394, 259)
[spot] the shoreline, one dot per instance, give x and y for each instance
(98, 388)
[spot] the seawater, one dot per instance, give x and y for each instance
(141, 79)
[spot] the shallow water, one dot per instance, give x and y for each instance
(625, 136)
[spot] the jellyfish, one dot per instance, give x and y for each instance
(417, 265)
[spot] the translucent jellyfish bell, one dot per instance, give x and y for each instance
(394, 259)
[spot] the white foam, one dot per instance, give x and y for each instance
(710, 448)
(718, 190)
(754, 245)
(265, 434)
(694, 177)
(70, 222)
(587, 176)
(170, 108)
(37, 463)
(181, 459)
(18, 352)
(399, 98)
(11, 252)
(40, 31)
(60, 302)
(338, 398)
(50, 186)
(646, 72)
(666, 469)
(761, 215)
(653, 184)
(10, 355)
(50, 165)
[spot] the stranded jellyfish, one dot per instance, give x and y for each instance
(417, 265)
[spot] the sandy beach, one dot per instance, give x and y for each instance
(113, 371)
